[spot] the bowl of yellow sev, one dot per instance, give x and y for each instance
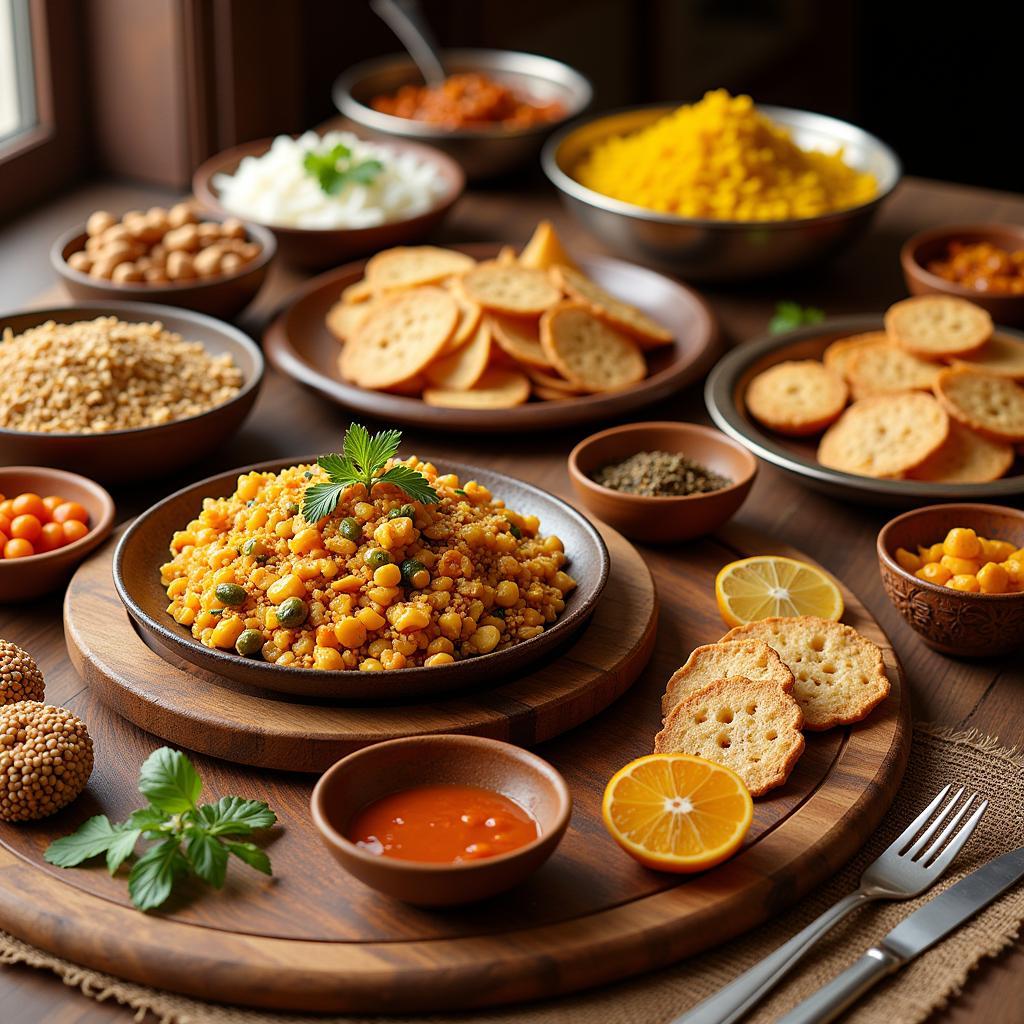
(722, 189)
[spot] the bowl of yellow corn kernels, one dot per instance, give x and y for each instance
(721, 189)
(956, 573)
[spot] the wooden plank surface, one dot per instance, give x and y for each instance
(982, 695)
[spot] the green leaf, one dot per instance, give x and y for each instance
(334, 170)
(93, 837)
(231, 815)
(321, 500)
(413, 483)
(122, 848)
(169, 782)
(363, 173)
(154, 873)
(149, 820)
(251, 854)
(382, 446)
(356, 447)
(208, 857)
(337, 468)
(791, 315)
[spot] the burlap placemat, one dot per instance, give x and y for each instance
(927, 984)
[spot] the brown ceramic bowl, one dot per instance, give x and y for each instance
(969, 625)
(373, 772)
(662, 520)
(117, 456)
(315, 249)
(22, 579)
(920, 249)
(143, 549)
(221, 296)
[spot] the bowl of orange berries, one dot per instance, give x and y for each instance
(956, 574)
(49, 521)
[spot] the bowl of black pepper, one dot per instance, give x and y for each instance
(662, 482)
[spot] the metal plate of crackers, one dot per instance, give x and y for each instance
(482, 337)
(923, 403)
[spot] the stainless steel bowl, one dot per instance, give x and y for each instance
(719, 250)
(482, 152)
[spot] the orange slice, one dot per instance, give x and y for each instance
(676, 812)
(771, 585)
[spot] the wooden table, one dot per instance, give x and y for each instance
(288, 420)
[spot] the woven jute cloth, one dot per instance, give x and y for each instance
(911, 996)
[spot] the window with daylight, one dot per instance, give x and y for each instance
(17, 85)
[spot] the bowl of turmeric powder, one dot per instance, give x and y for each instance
(722, 189)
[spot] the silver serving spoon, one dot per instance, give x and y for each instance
(406, 20)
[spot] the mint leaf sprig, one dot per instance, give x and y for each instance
(188, 838)
(789, 316)
(361, 459)
(336, 168)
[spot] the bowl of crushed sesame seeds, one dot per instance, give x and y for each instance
(121, 391)
(663, 481)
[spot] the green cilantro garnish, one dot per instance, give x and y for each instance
(361, 458)
(791, 315)
(187, 838)
(336, 168)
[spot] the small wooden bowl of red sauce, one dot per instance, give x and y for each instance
(441, 820)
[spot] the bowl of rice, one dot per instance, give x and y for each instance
(723, 189)
(332, 197)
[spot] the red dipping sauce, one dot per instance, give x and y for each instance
(442, 824)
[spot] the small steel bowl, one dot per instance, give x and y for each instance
(702, 249)
(482, 152)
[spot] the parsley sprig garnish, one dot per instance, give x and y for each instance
(336, 168)
(187, 838)
(791, 315)
(361, 458)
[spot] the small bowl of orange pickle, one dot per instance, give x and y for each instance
(956, 574)
(980, 262)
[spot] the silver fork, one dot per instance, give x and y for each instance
(906, 869)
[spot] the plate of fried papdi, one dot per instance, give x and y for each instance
(487, 337)
(926, 402)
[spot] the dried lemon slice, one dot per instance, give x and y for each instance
(765, 586)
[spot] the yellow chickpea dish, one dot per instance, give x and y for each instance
(964, 561)
(308, 568)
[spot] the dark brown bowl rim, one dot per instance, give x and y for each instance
(148, 312)
(209, 199)
(408, 127)
(95, 535)
(537, 766)
(680, 427)
(913, 267)
(934, 588)
(257, 232)
(564, 626)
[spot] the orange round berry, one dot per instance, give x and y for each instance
(18, 547)
(7, 507)
(5, 524)
(51, 537)
(70, 510)
(51, 501)
(74, 530)
(29, 504)
(26, 527)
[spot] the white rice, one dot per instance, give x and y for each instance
(276, 189)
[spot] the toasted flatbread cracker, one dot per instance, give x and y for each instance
(985, 402)
(938, 326)
(411, 266)
(463, 368)
(589, 352)
(515, 290)
(798, 397)
(496, 389)
(519, 337)
(966, 457)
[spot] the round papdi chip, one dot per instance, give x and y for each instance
(885, 436)
(409, 266)
(547, 379)
(358, 292)
(496, 389)
(838, 355)
(798, 397)
(937, 326)
(344, 319)
(519, 337)
(1000, 355)
(634, 322)
(464, 367)
(402, 334)
(510, 289)
(469, 321)
(884, 368)
(965, 458)
(588, 352)
(991, 405)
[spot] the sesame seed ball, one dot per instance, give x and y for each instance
(45, 759)
(20, 678)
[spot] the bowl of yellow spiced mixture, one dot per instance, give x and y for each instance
(721, 189)
(361, 575)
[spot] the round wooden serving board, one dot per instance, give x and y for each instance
(314, 939)
(192, 707)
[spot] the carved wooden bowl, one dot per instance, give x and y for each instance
(951, 621)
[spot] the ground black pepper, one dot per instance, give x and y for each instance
(660, 474)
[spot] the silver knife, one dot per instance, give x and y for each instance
(910, 938)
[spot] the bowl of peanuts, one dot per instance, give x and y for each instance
(207, 262)
(955, 572)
